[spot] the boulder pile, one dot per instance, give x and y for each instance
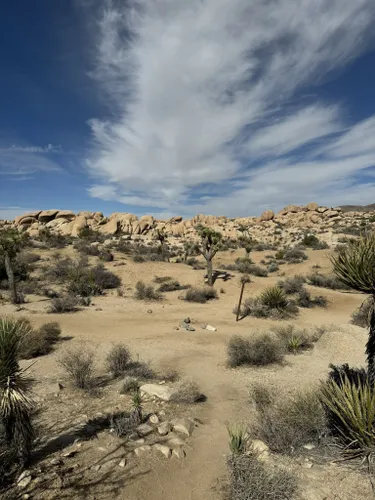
(286, 226)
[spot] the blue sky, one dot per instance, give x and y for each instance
(172, 107)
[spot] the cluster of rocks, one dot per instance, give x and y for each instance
(285, 226)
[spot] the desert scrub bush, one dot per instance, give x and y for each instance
(350, 407)
(146, 292)
(106, 256)
(256, 308)
(259, 271)
(78, 364)
(140, 369)
(63, 304)
(311, 241)
(200, 295)
(322, 281)
(292, 285)
(129, 385)
(187, 391)
(252, 479)
(294, 256)
(104, 278)
(304, 299)
(289, 423)
(238, 439)
(258, 351)
(86, 248)
(39, 342)
(294, 339)
(195, 263)
(272, 267)
(118, 360)
(361, 316)
(243, 265)
(170, 285)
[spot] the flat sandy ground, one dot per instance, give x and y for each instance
(201, 355)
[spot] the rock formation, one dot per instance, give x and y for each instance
(287, 226)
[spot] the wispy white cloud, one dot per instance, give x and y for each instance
(202, 93)
(19, 161)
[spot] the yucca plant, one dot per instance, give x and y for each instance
(136, 413)
(350, 409)
(238, 439)
(274, 297)
(354, 265)
(15, 405)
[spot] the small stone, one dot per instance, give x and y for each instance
(144, 429)
(24, 479)
(154, 419)
(187, 320)
(122, 462)
(307, 464)
(164, 428)
(175, 442)
(165, 450)
(149, 311)
(96, 468)
(176, 328)
(26, 496)
(162, 392)
(184, 426)
(211, 328)
(101, 448)
(309, 446)
(258, 445)
(177, 452)
(69, 454)
(56, 462)
(142, 450)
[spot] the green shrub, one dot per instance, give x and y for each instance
(78, 363)
(117, 360)
(292, 285)
(311, 241)
(259, 271)
(294, 256)
(322, 281)
(106, 256)
(274, 298)
(352, 407)
(361, 316)
(200, 295)
(259, 351)
(252, 479)
(254, 307)
(140, 369)
(64, 304)
(279, 255)
(289, 423)
(146, 292)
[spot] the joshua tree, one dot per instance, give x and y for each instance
(355, 266)
(246, 240)
(210, 244)
(162, 238)
(10, 245)
(15, 405)
(189, 248)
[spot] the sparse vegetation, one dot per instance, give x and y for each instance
(251, 479)
(39, 342)
(287, 424)
(117, 360)
(129, 385)
(200, 295)
(258, 351)
(331, 282)
(78, 364)
(311, 241)
(294, 256)
(146, 292)
(292, 285)
(63, 304)
(295, 339)
(187, 391)
(361, 316)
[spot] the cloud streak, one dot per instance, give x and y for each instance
(205, 115)
(20, 161)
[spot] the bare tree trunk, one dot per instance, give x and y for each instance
(209, 271)
(240, 301)
(370, 346)
(11, 280)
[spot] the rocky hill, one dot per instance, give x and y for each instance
(288, 226)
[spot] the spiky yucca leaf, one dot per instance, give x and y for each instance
(352, 406)
(274, 297)
(238, 439)
(354, 265)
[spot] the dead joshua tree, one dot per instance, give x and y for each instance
(244, 279)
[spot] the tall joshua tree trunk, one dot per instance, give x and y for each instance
(11, 279)
(210, 280)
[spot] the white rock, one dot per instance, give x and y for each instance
(144, 429)
(258, 445)
(122, 462)
(154, 419)
(211, 328)
(165, 450)
(160, 391)
(175, 442)
(142, 450)
(184, 426)
(309, 446)
(164, 428)
(24, 479)
(177, 452)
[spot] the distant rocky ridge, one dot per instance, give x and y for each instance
(287, 226)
